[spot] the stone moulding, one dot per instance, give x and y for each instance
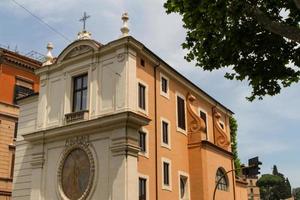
(72, 144)
(221, 138)
(196, 125)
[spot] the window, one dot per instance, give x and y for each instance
(165, 132)
(166, 173)
(143, 62)
(16, 130)
(142, 141)
(181, 113)
(142, 188)
(183, 186)
(142, 96)
(80, 93)
(223, 184)
(204, 118)
(23, 88)
(164, 86)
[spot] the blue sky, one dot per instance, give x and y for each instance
(267, 128)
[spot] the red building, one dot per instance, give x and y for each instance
(17, 79)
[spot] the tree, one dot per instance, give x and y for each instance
(266, 185)
(233, 134)
(257, 39)
(296, 193)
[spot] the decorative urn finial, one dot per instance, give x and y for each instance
(125, 29)
(49, 57)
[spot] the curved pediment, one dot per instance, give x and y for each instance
(77, 48)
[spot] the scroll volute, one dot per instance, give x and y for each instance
(221, 138)
(196, 125)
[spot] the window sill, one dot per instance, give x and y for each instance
(167, 188)
(165, 95)
(181, 130)
(144, 154)
(167, 146)
(76, 116)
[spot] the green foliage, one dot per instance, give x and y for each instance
(296, 193)
(274, 186)
(233, 134)
(249, 37)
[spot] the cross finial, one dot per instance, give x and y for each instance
(83, 19)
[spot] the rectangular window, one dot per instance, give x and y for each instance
(142, 141)
(80, 93)
(143, 62)
(166, 174)
(183, 187)
(16, 130)
(142, 96)
(180, 113)
(165, 132)
(203, 116)
(142, 188)
(22, 88)
(164, 85)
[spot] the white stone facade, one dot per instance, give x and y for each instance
(107, 130)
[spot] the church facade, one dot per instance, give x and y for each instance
(116, 122)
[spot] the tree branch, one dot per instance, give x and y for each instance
(297, 2)
(289, 32)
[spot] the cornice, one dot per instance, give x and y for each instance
(110, 122)
(207, 144)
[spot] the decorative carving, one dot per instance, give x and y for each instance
(221, 139)
(120, 57)
(79, 140)
(78, 51)
(196, 125)
(76, 169)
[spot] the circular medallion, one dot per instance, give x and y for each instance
(76, 173)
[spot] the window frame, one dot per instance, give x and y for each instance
(146, 153)
(222, 186)
(179, 129)
(74, 91)
(187, 189)
(165, 186)
(145, 177)
(162, 93)
(163, 144)
(144, 111)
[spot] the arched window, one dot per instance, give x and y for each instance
(223, 184)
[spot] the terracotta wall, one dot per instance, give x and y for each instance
(7, 81)
(178, 153)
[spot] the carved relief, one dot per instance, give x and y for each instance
(196, 124)
(76, 169)
(221, 138)
(78, 51)
(120, 57)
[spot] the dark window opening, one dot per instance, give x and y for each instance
(180, 113)
(16, 130)
(166, 173)
(222, 125)
(79, 93)
(165, 131)
(183, 182)
(142, 141)
(164, 85)
(142, 189)
(143, 62)
(142, 96)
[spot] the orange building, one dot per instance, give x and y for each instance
(253, 190)
(115, 122)
(16, 80)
